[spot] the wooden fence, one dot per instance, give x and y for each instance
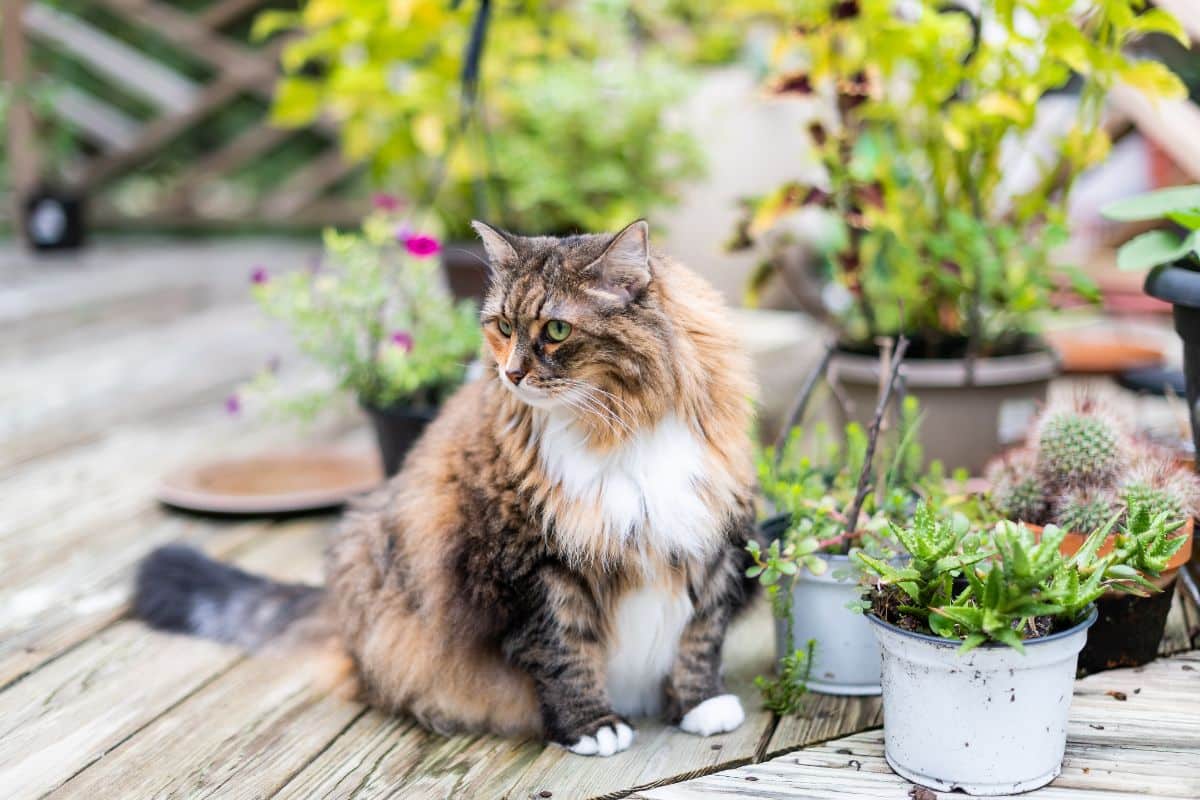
(118, 144)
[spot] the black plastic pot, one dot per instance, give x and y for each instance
(465, 265)
(775, 527)
(1127, 632)
(1180, 287)
(396, 430)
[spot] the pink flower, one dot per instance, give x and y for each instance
(403, 340)
(233, 404)
(382, 201)
(259, 276)
(422, 245)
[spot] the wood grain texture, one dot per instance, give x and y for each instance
(79, 707)
(1142, 747)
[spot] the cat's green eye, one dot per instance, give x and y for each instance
(505, 326)
(557, 330)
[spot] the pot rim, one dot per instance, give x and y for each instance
(401, 410)
(939, 641)
(1035, 367)
(1174, 283)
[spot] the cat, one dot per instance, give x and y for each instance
(564, 547)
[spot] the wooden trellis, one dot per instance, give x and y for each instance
(120, 144)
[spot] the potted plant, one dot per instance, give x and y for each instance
(376, 315)
(811, 500)
(551, 121)
(1173, 258)
(980, 631)
(1081, 467)
(926, 232)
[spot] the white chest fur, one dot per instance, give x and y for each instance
(648, 492)
(645, 638)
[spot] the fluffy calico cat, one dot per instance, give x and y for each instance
(564, 547)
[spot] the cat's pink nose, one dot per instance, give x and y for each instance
(515, 375)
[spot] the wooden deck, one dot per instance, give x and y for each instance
(114, 369)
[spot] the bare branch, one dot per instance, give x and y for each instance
(864, 477)
(797, 411)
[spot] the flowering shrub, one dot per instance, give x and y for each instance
(375, 312)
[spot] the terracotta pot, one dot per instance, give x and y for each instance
(1129, 628)
(965, 424)
(1073, 541)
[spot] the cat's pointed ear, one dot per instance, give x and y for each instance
(499, 247)
(623, 270)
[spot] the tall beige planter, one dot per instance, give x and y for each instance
(963, 425)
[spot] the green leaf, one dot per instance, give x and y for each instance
(272, 21)
(1151, 249)
(1154, 205)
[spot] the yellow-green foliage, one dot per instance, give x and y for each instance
(569, 132)
(926, 239)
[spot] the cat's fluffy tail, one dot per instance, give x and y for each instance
(180, 589)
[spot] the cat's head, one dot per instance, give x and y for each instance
(574, 322)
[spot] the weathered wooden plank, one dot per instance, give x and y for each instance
(372, 758)
(241, 149)
(126, 284)
(21, 131)
(79, 394)
(249, 730)
(46, 613)
(825, 717)
(853, 768)
(223, 12)
(306, 184)
(71, 712)
(158, 132)
(1147, 745)
(162, 87)
(661, 752)
(255, 69)
(103, 122)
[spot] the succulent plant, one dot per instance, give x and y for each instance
(1017, 492)
(1085, 509)
(1152, 481)
(1078, 444)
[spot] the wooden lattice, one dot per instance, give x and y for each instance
(120, 144)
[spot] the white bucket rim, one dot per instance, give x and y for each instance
(939, 641)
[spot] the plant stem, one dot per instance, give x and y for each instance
(873, 435)
(797, 411)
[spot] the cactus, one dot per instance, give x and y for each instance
(1154, 482)
(1017, 492)
(1078, 445)
(1083, 510)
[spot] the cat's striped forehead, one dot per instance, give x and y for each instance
(546, 272)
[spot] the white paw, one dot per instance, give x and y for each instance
(606, 741)
(718, 714)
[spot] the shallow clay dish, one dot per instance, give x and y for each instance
(1102, 352)
(272, 483)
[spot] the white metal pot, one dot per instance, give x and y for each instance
(993, 721)
(846, 655)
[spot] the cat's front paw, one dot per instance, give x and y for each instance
(719, 714)
(607, 738)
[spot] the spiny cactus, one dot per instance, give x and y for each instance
(1153, 482)
(1084, 509)
(1078, 445)
(1017, 492)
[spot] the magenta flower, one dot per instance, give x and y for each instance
(233, 404)
(259, 276)
(382, 201)
(403, 340)
(422, 245)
